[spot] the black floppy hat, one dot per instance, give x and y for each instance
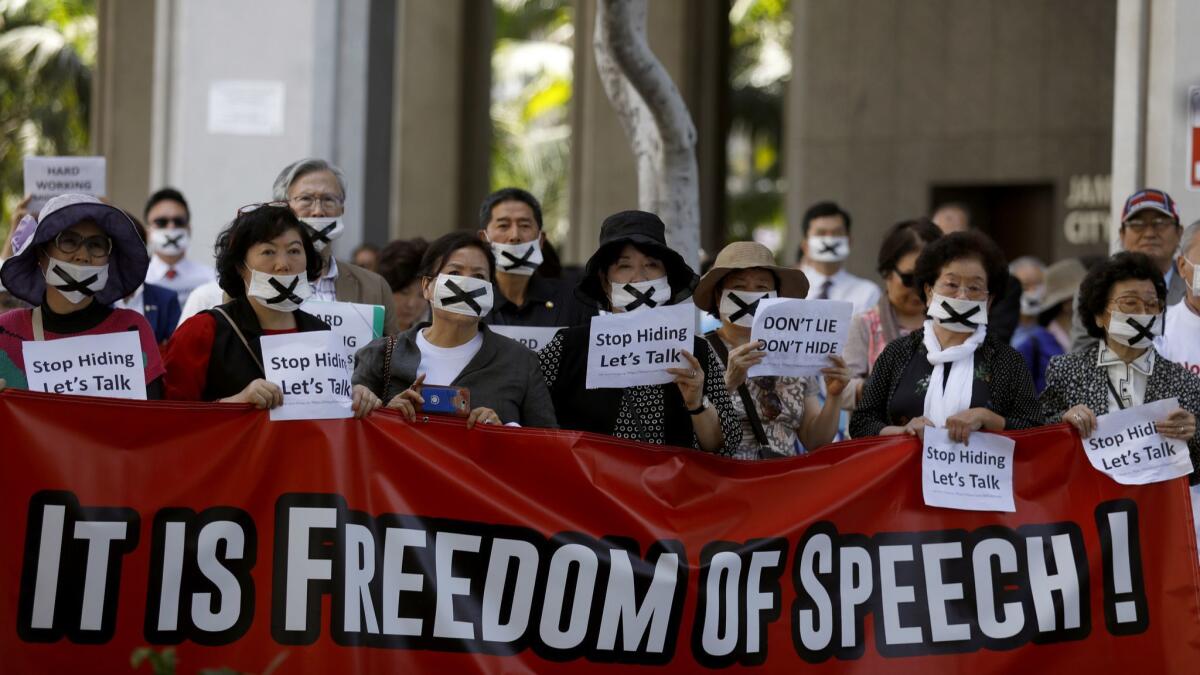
(647, 232)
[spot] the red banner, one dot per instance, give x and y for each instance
(384, 546)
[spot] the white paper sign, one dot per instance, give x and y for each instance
(975, 477)
(246, 107)
(108, 365)
(635, 348)
(534, 337)
(800, 335)
(1126, 445)
(356, 323)
(47, 177)
(313, 370)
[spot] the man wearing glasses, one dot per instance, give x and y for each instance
(1150, 225)
(316, 191)
(169, 231)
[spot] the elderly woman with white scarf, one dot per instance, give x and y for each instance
(951, 373)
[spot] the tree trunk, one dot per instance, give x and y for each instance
(655, 119)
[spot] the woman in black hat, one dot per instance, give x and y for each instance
(632, 263)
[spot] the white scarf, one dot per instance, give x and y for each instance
(955, 397)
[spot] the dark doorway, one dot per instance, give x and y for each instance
(1020, 218)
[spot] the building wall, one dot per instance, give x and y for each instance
(890, 99)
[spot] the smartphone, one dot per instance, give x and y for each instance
(447, 400)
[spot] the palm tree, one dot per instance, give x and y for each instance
(47, 53)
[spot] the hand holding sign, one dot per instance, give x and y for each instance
(690, 381)
(741, 359)
(1130, 445)
(975, 478)
(259, 393)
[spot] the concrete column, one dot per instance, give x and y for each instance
(122, 103)
(441, 125)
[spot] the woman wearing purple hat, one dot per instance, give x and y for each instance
(71, 263)
(633, 269)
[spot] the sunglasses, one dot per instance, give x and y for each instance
(909, 279)
(70, 241)
(253, 207)
(177, 221)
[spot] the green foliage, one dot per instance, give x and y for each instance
(760, 67)
(47, 53)
(531, 97)
(161, 663)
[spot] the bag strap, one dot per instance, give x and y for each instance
(39, 333)
(245, 342)
(760, 434)
(387, 367)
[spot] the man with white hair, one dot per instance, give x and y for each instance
(1180, 341)
(316, 191)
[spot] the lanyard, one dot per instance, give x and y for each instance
(1116, 396)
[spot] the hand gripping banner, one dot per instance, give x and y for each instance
(381, 546)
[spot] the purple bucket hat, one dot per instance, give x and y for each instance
(22, 276)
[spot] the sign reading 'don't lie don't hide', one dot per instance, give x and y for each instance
(629, 349)
(313, 370)
(799, 335)
(108, 365)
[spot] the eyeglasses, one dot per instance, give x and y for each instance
(1157, 224)
(328, 202)
(70, 241)
(177, 221)
(1129, 304)
(951, 289)
(253, 207)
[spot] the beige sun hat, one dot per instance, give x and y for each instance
(744, 255)
(1062, 281)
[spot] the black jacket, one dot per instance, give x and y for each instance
(1012, 393)
(230, 366)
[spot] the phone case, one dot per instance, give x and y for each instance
(446, 400)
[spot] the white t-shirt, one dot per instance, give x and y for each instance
(441, 365)
(843, 286)
(205, 296)
(1180, 341)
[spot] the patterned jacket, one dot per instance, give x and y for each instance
(1012, 393)
(1076, 378)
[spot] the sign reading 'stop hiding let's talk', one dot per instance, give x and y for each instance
(635, 348)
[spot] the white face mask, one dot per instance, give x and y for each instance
(76, 282)
(637, 295)
(281, 292)
(462, 295)
(828, 249)
(520, 259)
(1195, 278)
(1031, 301)
(738, 307)
(960, 316)
(169, 241)
(324, 231)
(1135, 330)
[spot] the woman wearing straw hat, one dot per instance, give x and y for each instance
(634, 268)
(71, 263)
(1051, 334)
(773, 411)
